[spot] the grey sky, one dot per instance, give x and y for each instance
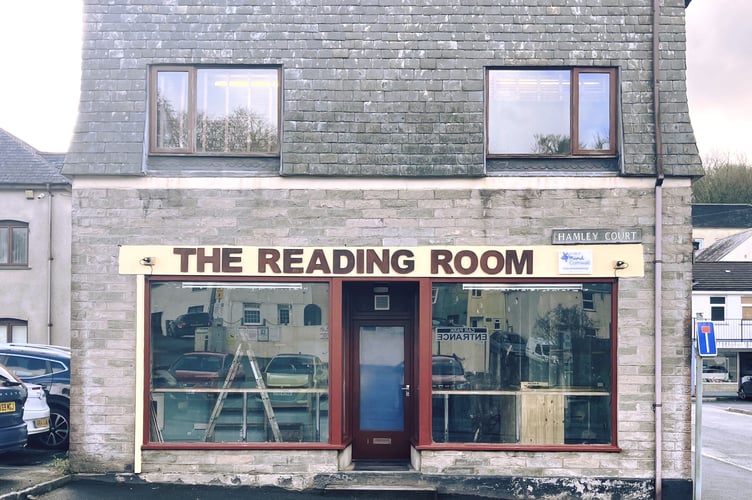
(719, 72)
(40, 44)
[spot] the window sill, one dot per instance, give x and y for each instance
(550, 166)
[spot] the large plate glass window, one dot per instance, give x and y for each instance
(551, 112)
(218, 111)
(232, 371)
(526, 364)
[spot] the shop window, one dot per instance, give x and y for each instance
(238, 380)
(14, 244)
(551, 112)
(14, 330)
(544, 379)
(218, 111)
(718, 308)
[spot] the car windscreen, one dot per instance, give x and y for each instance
(290, 364)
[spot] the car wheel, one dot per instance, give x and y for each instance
(742, 394)
(59, 435)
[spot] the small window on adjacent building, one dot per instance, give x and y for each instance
(251, 313)
(283, 313)
(312, 315)
(14, 330)
(217, 111)
(718, 308)
(14, 243)
(588, 304)
(551, 112)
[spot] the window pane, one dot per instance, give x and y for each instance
(529, 112)
(19, 334)
(594, 113)
(543, 378)
(20, 241)
(172, 110)
(4, 245)
(275, 375)
(237, 110)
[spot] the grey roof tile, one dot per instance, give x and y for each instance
(22, 165)
(714, 215)
(719, 249)
(722, 276)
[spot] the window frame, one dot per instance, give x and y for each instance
(574, 99)
(251, 307)
(10, 324)
(717, 308)
(190, 149)
(10, 225)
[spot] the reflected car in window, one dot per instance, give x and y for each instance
(185, 325)
(294, 371)
(447, 373)
(198, 369)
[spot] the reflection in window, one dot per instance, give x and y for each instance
(244, 378)
(222, 110)
(534, 368)
(251, 313)
(312, 315)
(550, 112)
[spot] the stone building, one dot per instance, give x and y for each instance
(440, 243)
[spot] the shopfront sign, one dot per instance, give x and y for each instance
(460, 261)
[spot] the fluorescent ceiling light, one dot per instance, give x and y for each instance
(511, 287)
(249, 286)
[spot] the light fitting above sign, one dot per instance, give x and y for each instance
(596, 236)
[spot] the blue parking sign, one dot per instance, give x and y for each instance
(706, 339)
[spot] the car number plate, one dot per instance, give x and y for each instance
(8, 407)
(41, 422)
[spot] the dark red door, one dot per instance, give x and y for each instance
(383, 389)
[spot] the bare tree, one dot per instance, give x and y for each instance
(725, 181)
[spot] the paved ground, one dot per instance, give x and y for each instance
(31, 470)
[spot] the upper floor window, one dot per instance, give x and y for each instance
(551, 112)
(251, 313)
(718, 308)
(14, 243)
(215, 111)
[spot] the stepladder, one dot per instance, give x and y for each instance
(243, 349)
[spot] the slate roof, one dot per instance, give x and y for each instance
(719, 249)
(23, 166)
(722, 276)
(717, 215)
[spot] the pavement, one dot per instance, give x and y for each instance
(31, 472)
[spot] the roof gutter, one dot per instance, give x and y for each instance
(658, 286)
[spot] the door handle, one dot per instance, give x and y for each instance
(406, 390)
